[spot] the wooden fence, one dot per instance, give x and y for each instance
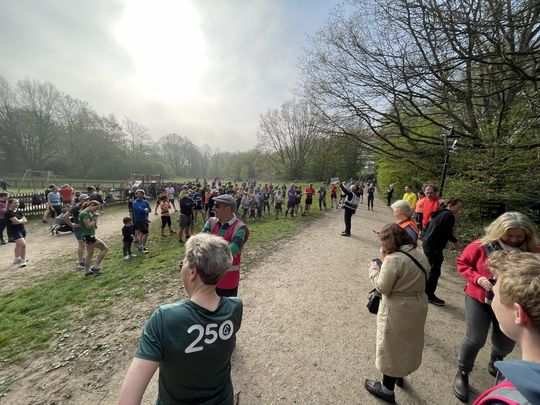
(78, 184)
(34, 204)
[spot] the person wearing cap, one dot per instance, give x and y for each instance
(71, 218)
(227, 225)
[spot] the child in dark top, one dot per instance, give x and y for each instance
(127, 237)
(3, 221)
(15, 229)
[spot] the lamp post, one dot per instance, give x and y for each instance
(450, 141)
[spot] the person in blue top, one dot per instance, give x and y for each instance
(141, 209)
(190, 341)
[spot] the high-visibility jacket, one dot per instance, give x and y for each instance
(232, 277)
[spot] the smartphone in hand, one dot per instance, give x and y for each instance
(378, 261)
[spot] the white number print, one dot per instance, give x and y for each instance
(224, 332)
(192, 348)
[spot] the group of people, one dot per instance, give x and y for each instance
(502, 273)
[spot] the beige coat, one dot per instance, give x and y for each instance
(402, 312)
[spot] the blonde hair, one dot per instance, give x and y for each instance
(518, 277)
(507, 221)
(403, 207)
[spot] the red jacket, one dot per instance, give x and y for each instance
(472, 264)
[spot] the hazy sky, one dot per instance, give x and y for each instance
(205, 69)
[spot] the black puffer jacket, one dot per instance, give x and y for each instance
(440, 230)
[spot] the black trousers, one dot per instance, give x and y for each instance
(347, 216)
(227, 292)
(127, 247)
(435, 261)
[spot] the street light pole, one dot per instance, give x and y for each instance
(447, 148)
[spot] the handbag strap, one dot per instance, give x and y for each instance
(415, 262)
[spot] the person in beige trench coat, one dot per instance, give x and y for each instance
(402, 310)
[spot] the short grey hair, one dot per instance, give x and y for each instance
(210, 255)
(403, 207)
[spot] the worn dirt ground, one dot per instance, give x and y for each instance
(306, 336)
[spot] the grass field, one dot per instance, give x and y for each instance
(31, 317)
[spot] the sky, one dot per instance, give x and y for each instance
(205, 69)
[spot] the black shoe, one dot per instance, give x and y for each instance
(436, 301)
(461, 386)
(494, 371)
(345, 234)
(375, 388)
(2, 242)
(400, 382)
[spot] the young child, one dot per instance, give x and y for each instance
(165, 208)
(127, 237)
(516, 304)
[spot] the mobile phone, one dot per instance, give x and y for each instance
(378, 261)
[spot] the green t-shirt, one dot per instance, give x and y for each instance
(85, 231)
(194, 348)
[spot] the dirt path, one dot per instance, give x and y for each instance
(306, 336)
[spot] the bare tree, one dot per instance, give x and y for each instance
(410, 70)
(38, 109)
(287, 135)
(137, 134)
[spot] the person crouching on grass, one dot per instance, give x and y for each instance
(88, 217)
(516, 304)
(15, 229)
(190, 341)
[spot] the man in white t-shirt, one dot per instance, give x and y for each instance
(170, 195)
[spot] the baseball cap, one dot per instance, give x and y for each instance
(83, 197)
(226, 199)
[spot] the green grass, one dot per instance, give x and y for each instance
(30, 318)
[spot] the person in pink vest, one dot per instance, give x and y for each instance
(225, 223)
(516, 304)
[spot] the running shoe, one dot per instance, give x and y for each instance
(127, 257)
(17, 260)
(133, 255)
(79, 266)
(96, 270)
(23, 263)
(145, 251)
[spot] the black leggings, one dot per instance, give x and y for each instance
(389, 382)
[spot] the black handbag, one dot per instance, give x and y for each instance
(374, 299)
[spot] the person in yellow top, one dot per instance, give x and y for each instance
(410, 197)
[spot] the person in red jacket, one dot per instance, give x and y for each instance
(512, 231)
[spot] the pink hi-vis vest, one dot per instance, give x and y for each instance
(232, 277)
(504, 392)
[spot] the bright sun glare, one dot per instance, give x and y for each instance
(166, 44)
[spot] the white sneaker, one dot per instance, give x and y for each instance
(17, 260)
(133, 255)
(80, 265)
(127, 257)
(23, 263)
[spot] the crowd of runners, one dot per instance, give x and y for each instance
(191, 341)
